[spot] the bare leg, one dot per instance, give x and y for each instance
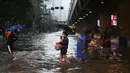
(11, 54)
(86, 61)
(66, 59)
(60, 58)
(10, 50)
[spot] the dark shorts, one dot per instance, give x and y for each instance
(63, 51)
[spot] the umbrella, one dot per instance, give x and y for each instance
(16, 27)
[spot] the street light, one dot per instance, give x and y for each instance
(86, 14)
(80, 18)
(90, 11)
(102, 2)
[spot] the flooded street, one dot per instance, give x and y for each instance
(36, 54)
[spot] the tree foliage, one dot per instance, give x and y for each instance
(30, 12)
(14, 8)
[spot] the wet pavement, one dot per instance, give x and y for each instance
(36, 54)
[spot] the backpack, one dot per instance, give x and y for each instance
(7, 34)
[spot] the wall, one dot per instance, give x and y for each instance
(104, 21)
(124, 16)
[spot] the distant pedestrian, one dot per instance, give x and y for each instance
(10, 42)
(114, 40)
(106, 47)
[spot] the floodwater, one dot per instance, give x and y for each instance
(36, 54)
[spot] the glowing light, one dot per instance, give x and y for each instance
(90, 11)
(114, 20)
(80, 18)
(102, 2)
(98, 23)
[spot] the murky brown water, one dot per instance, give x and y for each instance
(36, 54)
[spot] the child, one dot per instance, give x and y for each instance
(64, 42)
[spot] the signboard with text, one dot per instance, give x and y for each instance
(114, 20)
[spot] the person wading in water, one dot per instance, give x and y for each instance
(10, 42)
(64, 41)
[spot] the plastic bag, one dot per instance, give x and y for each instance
(58, 46)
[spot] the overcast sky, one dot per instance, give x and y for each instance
(61, 15)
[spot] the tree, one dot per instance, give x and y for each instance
(29, 12)
(16, 9)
